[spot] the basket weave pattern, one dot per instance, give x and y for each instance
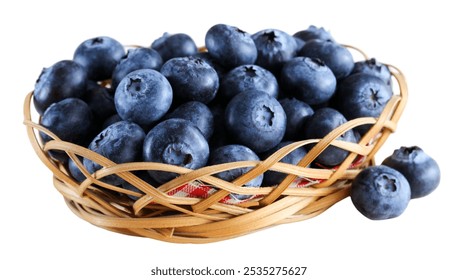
(159, 215)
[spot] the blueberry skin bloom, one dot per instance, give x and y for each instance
(309, 79)
(143, 96)
(192, 79)
(421, 170)
(234, 153)
(230, 46)
(176, 142)
(256, 120)
(334, 55)
(380, 192)
(63, 79)
(120, 142)
(248, 77)
(175, 45)
(135, 59)
(99, 56)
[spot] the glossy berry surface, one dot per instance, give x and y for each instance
(248, 77)
(230, 46)
(308, 79)
(192, 79)
(143, 96)
(64, 79)
(380, 192)
(233, 153)
(421, 170)
(120, 142)
(174, 45)
(256, 120)
(176, 142)
(99, 56)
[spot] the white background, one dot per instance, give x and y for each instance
(42, 239)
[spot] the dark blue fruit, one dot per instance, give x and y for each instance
(308, 79)
(297, 112)
(99, 57)
(374, 68)
(111, 120)
(234, 153)
(62, 80)
(220, 135)
(272, 178)
(143, 96)
(230, 46)
(380, 192)
(205, 56)
(421, 171)
(120, 142)
(75, 171)
(335, 56)
(322, 122)
(248, 77)
(174, 45)
(100, 100)
(256, 120)
(312, 33)
(192, 79)
(198, 114)
(362, 95)
(175, 142)
(274, 48)
(135, 59)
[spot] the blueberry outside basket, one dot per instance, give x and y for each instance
(203, 214)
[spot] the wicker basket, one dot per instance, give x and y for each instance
(160, 215)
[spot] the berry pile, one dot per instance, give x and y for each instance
(242, 97)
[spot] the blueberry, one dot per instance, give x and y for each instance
(375, 68)
(135, 59)
(192, 79)
(272, 178)
(313, 33)
(297, 112)
(248, 77)
(71, 120)
(362, 95)
(174, 45)
(75, 171)
(198, 114)
(205, 56)
(176, 142)
(256, 120)
(143, 96)
(120, 142)
(230, 46)
(234, 153)
(335, 56)
(274, 48)
(220, 136)
(308, 79)
(111, 120)
(63, 79)
(100, 100)
(99, 56)
(421, 170)
(322, 122)
(380, 192)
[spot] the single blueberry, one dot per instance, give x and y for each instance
(99, 56)
(375, 68)
(143, 96)
(234, 153)
(220, 136)
(297, 112)
(380, 192)
(308, 79)
(230, 46)
(135, 59)
(175, 142)
(256, 120)
(192, 79)
(75, 171)
(248, 77)
(174, 45)
(421, 170)
(120, 142)
(322, 122)
(63, 79)
(100, 100)
(312, 33)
